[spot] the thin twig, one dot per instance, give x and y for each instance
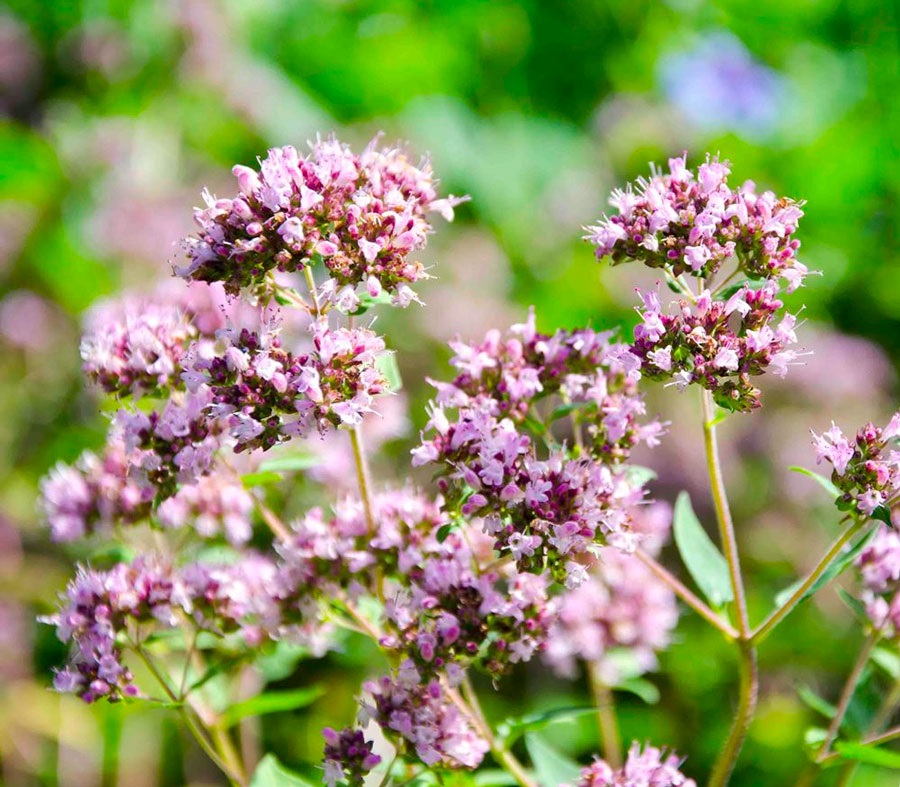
(847, 694)
(607, 723)
(777, 615)
(749, 668)
(689, 598)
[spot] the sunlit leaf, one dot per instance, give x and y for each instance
(701, 557)
(251, 480)
(819, 479)
(289, 463)
(836, 568)
(814, 701)
(551, 766)
(871, 755)
(387, 365)
(888, 660)
(512, 729)
(272, 702)
(640, 687)
(271, 773)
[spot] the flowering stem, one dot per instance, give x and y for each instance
(275, 524)
(689, 598)
(235, 774)
(747, 696)
(313, 293)
(472, 709)
(362, 474)
(723, 514)
(777, 615)
(847, 694)
(610, 740)
(748, 666)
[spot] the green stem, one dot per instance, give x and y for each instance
(747, 697)
(472, 710)
(607, 723)
(362, 474)
(229, 753)
(195, 728)
(847, 695)
(313, 292)
(748, 665)
(689, 598)
(278, 528)
(723, 514)
(777, 615)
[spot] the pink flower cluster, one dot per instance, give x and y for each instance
(622, 610)
(102, 611)
(547, 512)
(215, 504)
(137, 351)
(422, 717)
(361, 216)
(649, 767)
(267, 394)
(879, 566)
(93, 495)
(175, 446)
(685, 223)
(348, 757)
(693, 224)
(867, 470)
(443, 611)
(718, 344)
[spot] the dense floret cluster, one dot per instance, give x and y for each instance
(694, 224)
(879, 566)
(731, 328)
(866, 470)
(649, 767)
(361, 216)
(545, 503)
(267, 394)
(717, 344)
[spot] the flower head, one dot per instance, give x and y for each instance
(360, 215)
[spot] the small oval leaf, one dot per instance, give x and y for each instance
(701, 557)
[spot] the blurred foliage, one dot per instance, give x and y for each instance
(118, 111)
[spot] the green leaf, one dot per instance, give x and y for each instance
(514, 728)
(639, 475)
(494, 777)
(836, 568)
(721, 414)
(387, 365)
(883, 514)
(702, 559)
(366, 302)
(251, 480)
(640, 687)
(272, 702)
(814, 737)
(551, 766)
(443, 532)
(271, 773)
(814, 701)
(289, 463)
(281, 661)
(856, 606)
(888, 660)
(871, 755)
(819, 479)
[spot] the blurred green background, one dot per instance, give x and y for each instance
(116, 113)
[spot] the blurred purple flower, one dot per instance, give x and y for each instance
(719, 85)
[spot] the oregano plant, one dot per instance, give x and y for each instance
(536, 538)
